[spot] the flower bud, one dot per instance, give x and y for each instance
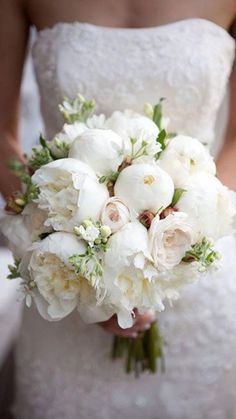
(146, 218)
(105, 231)
(148, 110)
(77, 230)
(87, 223)
(166, 212)
(97, 241)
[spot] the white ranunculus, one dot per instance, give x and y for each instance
(211, 206)
(185, 156)
(69, 192)
(145, 187)
(59, 290)
(23, 229)
(100, 149)
(115, 214)
(66, 136)
(130, 125)
(169, 239)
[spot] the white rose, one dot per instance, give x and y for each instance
(145, 187)
(23, 229)
(210, 206)
(58, 289)
(100, 149)
(169, 239)
(69, 192)
(185, 156)
(65, 137)
(135, 127)
(115, 214)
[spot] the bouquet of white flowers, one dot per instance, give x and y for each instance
(115, 216)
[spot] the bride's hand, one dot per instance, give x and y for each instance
(141, 322)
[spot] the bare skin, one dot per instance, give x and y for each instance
(16, 16)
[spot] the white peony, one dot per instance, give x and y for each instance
(58, 289)
(128, 289)
(69, 192)
(169, 239)
(135, 127)
(125, 244)
(100, 149)
(123, 280)
(115, 214)
(23, 229)
(145, 187)
(65, 138)
(211, 206)
(185, 156)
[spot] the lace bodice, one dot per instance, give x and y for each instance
(187, 62)
(64, 370)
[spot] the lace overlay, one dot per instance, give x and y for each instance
(64, 370)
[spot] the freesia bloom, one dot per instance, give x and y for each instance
(115, 214)
(145, 187)
(101, 149)
(169, 239)
(185, 156)
(69, 192)
(211, 206)
(58, 289)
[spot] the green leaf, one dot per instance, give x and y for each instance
(42, 141)
(177, 195)
(14, 270)
(157, 113)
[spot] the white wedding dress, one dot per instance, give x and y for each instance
(64, 369)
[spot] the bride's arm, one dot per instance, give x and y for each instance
(226, 164)
(14, 30)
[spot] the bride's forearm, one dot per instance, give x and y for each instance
(8, 182)
(226, 164)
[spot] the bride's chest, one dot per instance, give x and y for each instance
(188, 63)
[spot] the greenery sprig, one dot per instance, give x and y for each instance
(21, 199)
(203, 253)
(78, 109)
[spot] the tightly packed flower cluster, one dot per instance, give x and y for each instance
(115, 214)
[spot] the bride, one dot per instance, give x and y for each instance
(130, 52)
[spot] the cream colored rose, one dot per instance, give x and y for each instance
(169, 239)
(115, 214)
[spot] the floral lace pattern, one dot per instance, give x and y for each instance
(64, 368)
